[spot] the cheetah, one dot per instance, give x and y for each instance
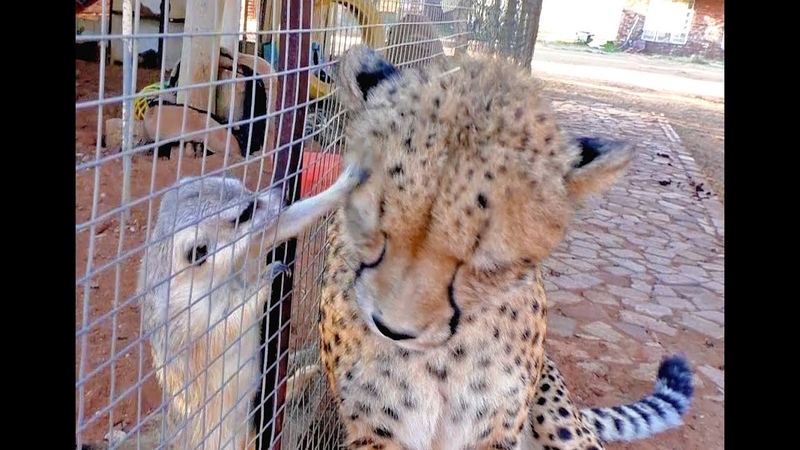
(433, 310)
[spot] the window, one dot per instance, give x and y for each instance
(668, 21)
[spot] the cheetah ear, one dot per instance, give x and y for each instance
(601, 163)
(360, 70)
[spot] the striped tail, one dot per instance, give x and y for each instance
(659, 411)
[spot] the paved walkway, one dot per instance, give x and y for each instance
(641, 273)
(632, 70)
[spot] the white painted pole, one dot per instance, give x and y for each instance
(127, 104)
(230, 24)
(200, 54)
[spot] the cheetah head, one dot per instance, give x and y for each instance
(471, 178)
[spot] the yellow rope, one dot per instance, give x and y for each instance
(140, 104)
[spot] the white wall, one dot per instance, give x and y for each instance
(561, 19)
(91, 27)
(172, 46)
(177, 7)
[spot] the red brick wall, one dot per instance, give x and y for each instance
(705, 35)
(251, 10)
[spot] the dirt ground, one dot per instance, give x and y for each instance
(108, 334)
(693, 104)
(698, 121)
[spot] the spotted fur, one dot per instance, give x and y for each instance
(433, 311)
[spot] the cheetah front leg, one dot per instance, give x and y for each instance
(301, 380)
(369, 440)
(554, 421)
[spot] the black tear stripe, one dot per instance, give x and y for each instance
(374, 264)
(451, 298)
(393, 335)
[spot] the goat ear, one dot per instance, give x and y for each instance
(361, 69)
(601, 163)
(182, 188)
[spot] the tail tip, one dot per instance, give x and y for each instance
(676, 374)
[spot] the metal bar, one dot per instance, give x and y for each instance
(293, 89)
(127, 105)
(162, 27)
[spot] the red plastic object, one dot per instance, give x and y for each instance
(320, 170)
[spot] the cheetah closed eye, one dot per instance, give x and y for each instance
(433, 311)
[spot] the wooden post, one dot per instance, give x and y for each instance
(200, 55)
(293, 58)
(267, 21)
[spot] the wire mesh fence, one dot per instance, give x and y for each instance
(189, 331)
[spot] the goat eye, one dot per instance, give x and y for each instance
(246, 215)
(197, 255)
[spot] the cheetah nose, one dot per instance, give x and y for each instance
(388, 332)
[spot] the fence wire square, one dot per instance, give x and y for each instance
(172, 95)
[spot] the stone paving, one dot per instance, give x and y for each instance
(641, 272)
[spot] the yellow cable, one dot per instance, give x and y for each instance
(140, 104)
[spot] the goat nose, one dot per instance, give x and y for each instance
(388, 332)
